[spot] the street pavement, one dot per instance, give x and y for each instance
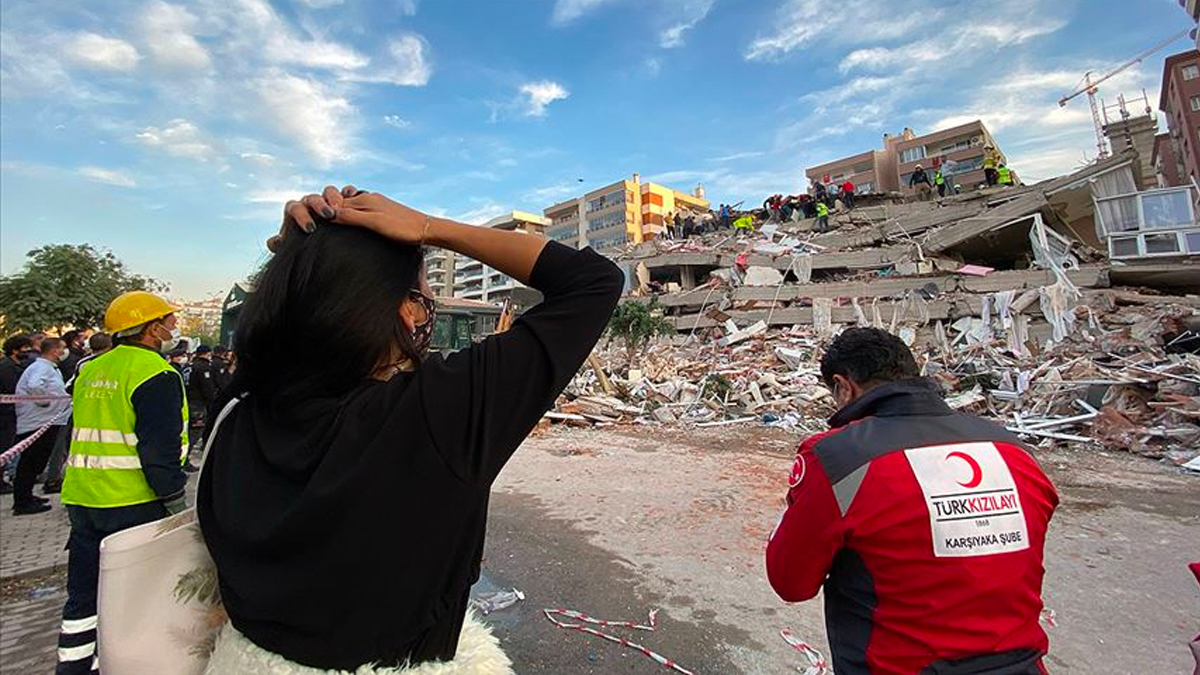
(617, 522)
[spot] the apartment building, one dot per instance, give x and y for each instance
(619, 213)
(870, 171)
(439, 270)
(957, 151)
(472, 280)
(1179, 100)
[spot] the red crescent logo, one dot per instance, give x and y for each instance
(976, 472)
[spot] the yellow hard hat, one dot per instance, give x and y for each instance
(134, 309)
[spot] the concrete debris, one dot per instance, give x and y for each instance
(1006, 304)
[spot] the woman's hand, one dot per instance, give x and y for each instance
(301, 215)
(352, 207)
(384, 216)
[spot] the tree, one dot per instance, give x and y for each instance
(66, 285)
(635, 323)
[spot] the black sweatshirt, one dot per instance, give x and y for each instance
(351, 532)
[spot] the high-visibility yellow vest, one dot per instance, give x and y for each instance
(1005, 175)
(989, 160)
(939, 179)
(822, 210)
(744, 223)
(103, 469)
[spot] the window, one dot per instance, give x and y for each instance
(913, 154)
(1162, 244)
(1123, 247)
(1193, 242)
(955, 147)
(1166, 210)
(1195, 102)
(1191, 71)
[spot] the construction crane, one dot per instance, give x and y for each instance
(1090, 87)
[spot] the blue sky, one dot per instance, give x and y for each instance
(171, 132)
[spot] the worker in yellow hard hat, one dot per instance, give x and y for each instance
(127, 452)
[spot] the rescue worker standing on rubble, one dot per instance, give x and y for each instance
(822, 217)
(925, 526)
(990, 159)
(940, 181)
(127, 451)
(1004, 175)
(919, 180)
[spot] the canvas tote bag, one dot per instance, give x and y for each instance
(158, 603)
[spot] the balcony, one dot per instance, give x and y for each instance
(1150, 224)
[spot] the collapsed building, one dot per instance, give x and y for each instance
(1081, 289)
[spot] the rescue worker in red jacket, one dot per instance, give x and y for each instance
(925, 526)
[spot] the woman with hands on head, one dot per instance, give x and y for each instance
(345, 497)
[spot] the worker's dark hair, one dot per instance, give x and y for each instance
(100, 342)
(69, 336)
(868, 356)
(323, 315)
(52, 343)
(16, 343)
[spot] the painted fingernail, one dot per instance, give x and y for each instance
(310, 227)
(327, 212)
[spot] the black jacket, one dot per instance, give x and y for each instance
(349, 531)
(918, 176)
(201, 384)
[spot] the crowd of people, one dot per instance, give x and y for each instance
(42, 369)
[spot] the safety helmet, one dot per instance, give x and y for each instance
(918, 166)
(133, 309)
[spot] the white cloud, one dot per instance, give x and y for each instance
(108, 176)
(566, 11)
(179, 138)
(538, 95)
(278, 196)
(482, 213)
(407, 7)
(552, 193)
(406, 65)
(101, 53)
(800, 22)
(691, 13)
(168, 31)
(736, 156)
(970, 37)
(319, 120)
(258, 158)
(396, 121)
(322, 4)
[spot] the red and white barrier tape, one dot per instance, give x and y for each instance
(817, 665)
(12, 398)
(11, 453)
(650, 626)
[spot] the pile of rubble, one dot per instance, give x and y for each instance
(1005, 295)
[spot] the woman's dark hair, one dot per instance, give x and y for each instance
(323, 315)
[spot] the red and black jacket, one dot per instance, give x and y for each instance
(926, 527)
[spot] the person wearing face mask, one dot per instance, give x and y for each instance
(924, 526)
(128, 446)
(344, 502)
(12, 364)
(41, 379)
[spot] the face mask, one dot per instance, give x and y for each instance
(170, 343)
(423, 334)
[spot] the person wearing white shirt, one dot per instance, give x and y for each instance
(41, 379)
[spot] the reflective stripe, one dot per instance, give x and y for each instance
(76, 653)
(103, 436)
(98, 462)
(78, 625)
